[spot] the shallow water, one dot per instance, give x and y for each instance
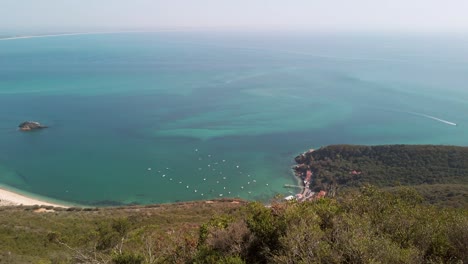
(223, 114)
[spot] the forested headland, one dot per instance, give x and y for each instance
(440, 173)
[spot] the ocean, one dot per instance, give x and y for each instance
(140, 118)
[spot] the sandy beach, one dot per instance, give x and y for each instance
(9, 198)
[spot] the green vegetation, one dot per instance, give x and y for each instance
(383, 223)
(367, 226)
(370, 226)
(440, 173)
(141, 234)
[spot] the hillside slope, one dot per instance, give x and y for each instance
(367, 226)
(439, 172)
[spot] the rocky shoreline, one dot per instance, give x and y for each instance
(304, 174)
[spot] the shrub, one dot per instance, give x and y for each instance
(127, 258)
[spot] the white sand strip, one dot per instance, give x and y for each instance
(9, 198)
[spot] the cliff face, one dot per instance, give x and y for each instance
(30, 125)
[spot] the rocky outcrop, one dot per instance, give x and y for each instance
(30, 125)
(300, 159)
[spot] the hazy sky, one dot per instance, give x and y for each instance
(340, 15)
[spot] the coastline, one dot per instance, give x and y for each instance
(11, 198)
(87, 33)
(304, 174)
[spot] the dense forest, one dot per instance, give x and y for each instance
(367, 226)
(440, 173)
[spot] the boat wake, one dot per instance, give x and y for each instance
(433, 118)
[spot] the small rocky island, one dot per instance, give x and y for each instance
(30, 125)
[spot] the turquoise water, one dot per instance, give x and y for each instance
(223, 114)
